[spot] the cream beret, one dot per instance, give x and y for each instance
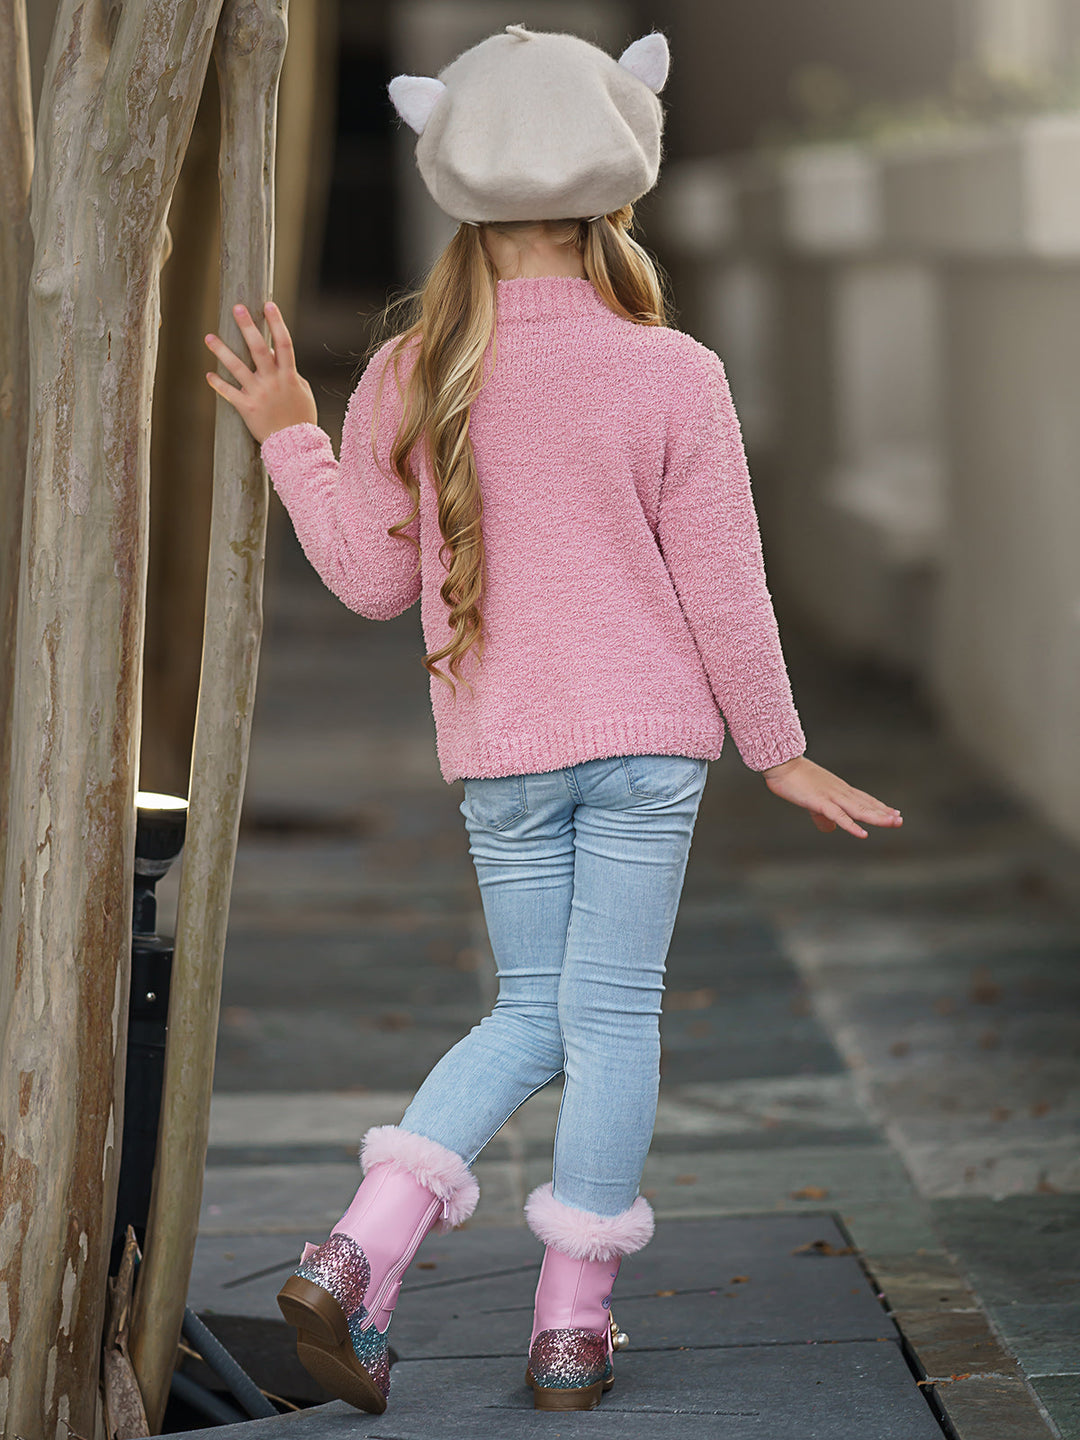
(534, 125)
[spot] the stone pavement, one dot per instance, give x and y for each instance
(867, 1043)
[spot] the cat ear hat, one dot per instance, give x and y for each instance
(534, 125)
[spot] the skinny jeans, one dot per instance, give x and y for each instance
(580, 874)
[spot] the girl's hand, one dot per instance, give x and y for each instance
(273, 395)
(830, 800)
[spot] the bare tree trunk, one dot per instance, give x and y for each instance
(16, 251)
(117, 107)
(248, 54)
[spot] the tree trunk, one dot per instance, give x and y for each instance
(117, 108)
(248, 54)
(16, 250)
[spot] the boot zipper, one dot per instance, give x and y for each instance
(396, 1271)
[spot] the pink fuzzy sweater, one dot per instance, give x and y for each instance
(625, 601)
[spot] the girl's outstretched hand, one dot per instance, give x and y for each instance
(273, 395)
(830, 800)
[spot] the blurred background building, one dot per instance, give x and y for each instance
(872, 212)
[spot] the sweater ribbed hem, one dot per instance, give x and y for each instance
(524, 752)
(532, 752)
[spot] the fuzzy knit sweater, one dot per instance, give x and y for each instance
(625, 602)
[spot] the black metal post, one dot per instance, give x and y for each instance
(159, 839)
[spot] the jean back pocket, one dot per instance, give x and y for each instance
(495, 803)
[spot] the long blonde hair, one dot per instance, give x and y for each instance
(451, 316)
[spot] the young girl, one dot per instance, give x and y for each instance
(594, 604)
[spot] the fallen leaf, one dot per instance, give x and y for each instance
(1000, 1112)
(899, 1047)
(983, 991)
(426, 1265)
(810, 1192)
(665, 1294)
(685, 1179)
(395, 1020)
(823, 1247)
(738, 1279)
(1040, 1107)
(689, 999)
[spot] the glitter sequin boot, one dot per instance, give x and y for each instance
(341, 1297)
(574, 1333)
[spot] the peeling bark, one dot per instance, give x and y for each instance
(117, 107)
(248, 55)
(16, 251)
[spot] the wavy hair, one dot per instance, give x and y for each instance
(449, 321)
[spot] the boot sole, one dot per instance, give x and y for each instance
(337, 1370)
(308, 1307)
(585, 1397)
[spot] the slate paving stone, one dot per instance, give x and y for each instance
(335, 1049)
(996, 1407)
(739, 1326)
(279, 1199)
(1022, 1248)
(1044, 1338)
(1061, 1395)
(1022, 1255)
(839, 1391)
(681, 1291)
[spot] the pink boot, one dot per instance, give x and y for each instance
(574, 1332)
(342, 1295)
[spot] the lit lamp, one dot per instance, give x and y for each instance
(159, 839)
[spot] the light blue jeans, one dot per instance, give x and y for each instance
(580, 874)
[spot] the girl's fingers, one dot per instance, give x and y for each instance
(224, 389)
(235, 366)
(260, 351)
(279, 333)
(843, 819)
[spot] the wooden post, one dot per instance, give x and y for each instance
(248, 54)
(117, 107)
(16, 250)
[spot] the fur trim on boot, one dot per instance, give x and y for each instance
(432, 1165)
(583, 1235)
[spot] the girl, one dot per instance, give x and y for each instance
(558, 476)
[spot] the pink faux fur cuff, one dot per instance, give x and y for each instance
(432, 1165)
(583, 1235)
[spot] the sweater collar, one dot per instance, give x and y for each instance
(548, 297)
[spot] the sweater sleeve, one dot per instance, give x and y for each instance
(709, 537)
(341, 511)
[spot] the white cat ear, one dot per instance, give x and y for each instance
(414, 98)
(648, 59)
